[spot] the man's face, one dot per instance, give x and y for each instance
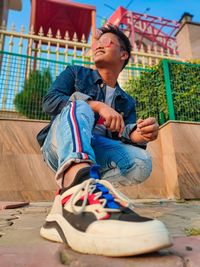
(107, 51)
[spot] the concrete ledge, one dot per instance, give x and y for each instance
(24, 174)
(176, 164)
(26, 177)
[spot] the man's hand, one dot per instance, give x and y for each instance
(147, 130)
(112, 119)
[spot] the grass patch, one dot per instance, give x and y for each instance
(192, 231)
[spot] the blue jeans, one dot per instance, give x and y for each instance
(70, 140)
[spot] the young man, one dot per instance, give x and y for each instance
(95, 132)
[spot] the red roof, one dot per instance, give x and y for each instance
(64, 15)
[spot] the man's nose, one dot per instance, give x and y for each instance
(99, 45)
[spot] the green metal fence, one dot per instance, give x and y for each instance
(182, 83)
(24, 80)
(170, 90)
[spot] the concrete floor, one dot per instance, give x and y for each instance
(21, 244)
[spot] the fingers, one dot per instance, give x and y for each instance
(108, 120)
(148, 128)
(143, 123)
(115, 123)
(113, 120)
(150, 136)
(122, 127)
(139, 121)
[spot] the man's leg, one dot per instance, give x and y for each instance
(91, 215)
(121, 162)
(67, 147)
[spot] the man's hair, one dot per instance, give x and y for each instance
(123, 39)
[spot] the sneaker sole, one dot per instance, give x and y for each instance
(108, 246)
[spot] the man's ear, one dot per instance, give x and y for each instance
(124, 55)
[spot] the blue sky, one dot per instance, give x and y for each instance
(169, 9)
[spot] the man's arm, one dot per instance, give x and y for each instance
(60, 92)
(144, 130)
(113, 120)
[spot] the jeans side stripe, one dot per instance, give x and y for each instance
(84, 155)
(75, 128)
(72, 130)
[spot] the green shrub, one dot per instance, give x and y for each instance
(149, 92)
(29, 101)
(185, 83)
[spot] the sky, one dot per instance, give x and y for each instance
(169, 9)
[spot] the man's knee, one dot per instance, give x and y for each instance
(84, 112)
(140, 169)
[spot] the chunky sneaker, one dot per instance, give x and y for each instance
(94, 218)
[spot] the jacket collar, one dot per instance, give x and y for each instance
(98, 80)
(96, 77)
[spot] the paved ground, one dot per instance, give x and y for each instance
(21, 245)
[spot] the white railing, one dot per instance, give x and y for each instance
(61, 48)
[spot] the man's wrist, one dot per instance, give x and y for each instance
(137, 138)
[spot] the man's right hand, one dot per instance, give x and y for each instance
(113, 120)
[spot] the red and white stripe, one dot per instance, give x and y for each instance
(77, 138)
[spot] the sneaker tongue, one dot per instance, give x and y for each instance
(94, 172)
(110, 201)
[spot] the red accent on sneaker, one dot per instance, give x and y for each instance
(107, 216)
(64, 200)
(92, 200)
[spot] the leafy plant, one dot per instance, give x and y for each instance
(29, 101)
(192, 231)
(150, 93)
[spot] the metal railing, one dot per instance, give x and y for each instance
(169, 91)
(24, 80)
(182, 83)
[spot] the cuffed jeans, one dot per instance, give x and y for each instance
(71, 140)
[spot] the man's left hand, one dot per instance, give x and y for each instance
(146, 131)
(148, 128)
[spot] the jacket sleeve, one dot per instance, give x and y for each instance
(130, 126)
(130, 120)
(62, 91)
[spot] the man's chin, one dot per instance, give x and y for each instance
(100, 63)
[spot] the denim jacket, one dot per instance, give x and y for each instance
(80, 83)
